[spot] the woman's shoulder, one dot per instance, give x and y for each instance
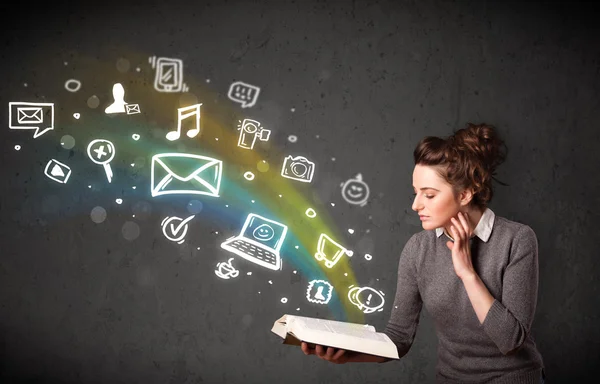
(512, 229)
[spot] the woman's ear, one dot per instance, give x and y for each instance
(465, 197)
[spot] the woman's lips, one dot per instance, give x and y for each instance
(423, 217)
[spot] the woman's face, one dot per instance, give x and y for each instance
(433, 198)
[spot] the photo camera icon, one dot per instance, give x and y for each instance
(298, 168)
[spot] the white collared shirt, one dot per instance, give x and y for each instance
(483, 230)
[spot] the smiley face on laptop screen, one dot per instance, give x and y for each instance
(264, 232)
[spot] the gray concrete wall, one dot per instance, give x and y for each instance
(358, 84)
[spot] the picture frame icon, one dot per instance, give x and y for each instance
(57, 171)
(319, 292)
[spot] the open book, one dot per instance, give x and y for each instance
(349, 336)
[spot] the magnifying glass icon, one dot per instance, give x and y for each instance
(102, 152)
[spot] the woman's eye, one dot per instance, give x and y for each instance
(429, 197)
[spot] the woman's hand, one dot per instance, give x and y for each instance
(461, 250)
(333, 355)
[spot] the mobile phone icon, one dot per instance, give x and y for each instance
(169, 74)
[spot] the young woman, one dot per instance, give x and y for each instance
(476, 273)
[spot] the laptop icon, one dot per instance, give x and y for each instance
(259, 241)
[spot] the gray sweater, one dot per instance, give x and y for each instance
(501, 350)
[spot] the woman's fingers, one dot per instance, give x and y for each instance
(326, 353)
(458, 227)
(320, 351)
(339, 354)
(456, 235)
(306, 349)
(329, 353)
(463, 219)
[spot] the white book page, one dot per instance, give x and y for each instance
(338, 327)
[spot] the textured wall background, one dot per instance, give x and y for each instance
(359, 82)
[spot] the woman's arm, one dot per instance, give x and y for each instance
(508, 321)
(481, 298)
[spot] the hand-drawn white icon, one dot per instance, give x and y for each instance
(355, 191)
(251, 130)
(169, 74)
(135, 136)
(177, 232)
(243, 93)
(184, 113)
(31, 116)
(72, 85)
(76, 115)
(249, 176)
(132, 109)
(118, 105)
(311, 213)
(226, 270)
(259, 241)
(363, 299)
(329, 251)
(57, 171)
(292, 138)
(181, 173)
(319, 292)
(298, 168)
(102, 152)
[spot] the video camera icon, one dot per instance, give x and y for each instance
(250, 131)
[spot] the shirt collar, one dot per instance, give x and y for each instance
(483, 230)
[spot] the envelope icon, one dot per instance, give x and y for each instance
(182, 173)
(30, 115)
(132, 108)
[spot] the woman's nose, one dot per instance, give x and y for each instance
(415, 204)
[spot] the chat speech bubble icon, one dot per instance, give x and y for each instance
(243, 93)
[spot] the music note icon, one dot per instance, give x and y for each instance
(184, 113)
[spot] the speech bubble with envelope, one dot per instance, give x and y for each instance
(183, 173)
(23, 115)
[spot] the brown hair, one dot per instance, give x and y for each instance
(466, 159)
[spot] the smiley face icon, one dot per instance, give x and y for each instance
(355, 191)
(263, 232)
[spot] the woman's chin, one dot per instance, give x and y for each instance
(428, 225)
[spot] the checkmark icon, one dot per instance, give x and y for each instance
(177, 232)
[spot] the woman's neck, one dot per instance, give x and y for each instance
(474, 215)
